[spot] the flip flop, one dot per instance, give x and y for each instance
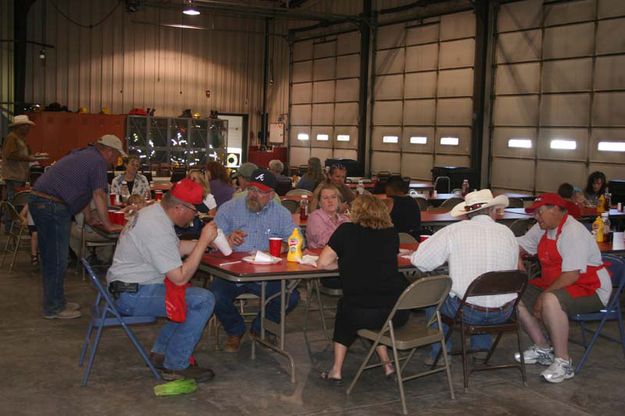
(325, 375)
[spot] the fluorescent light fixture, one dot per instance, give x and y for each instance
(520, 143)
(563, 144)
(189, 9)
(177, 26)
(611, 146)
(390, 139)
(418, 140)
(342, 138)
(302, 136)
(450, 141)
(323, 137)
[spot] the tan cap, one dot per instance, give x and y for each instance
(112, 141)
(19, 120)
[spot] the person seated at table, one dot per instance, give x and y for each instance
(472, 247)
(365, 252)
(136, 183)
(249, 223)
(313, 176)
(566, 191)
(208, 205)
(219, 182)
(573, 280)
(243, 176)
(148, 251)
(336, 176)
(404, 210)
(283, 183)
(595, 187)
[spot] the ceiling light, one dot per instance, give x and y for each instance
(189, 9)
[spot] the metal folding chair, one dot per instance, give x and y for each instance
(292, 206)
(17, 233)
(612, 312)
(426, 292)
(105, 314)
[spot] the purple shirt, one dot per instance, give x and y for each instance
(74, 178)
(221, 191)
(321, 226)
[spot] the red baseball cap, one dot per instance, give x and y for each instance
(188, 191)
(547, 199)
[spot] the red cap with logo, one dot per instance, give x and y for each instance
(547, 199)
(188, 191)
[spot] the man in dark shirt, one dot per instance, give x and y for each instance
(62, 191)
(405, 212)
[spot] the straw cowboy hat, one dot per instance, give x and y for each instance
(112, 141)
(478, 200)
(19, 120)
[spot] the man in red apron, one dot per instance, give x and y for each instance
(573, 280)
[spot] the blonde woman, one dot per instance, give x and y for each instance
(197, 176)
(323, 222)
(365, 252)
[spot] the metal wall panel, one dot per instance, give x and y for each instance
(416, 165)
(611, 8)
(513, 174)
(519, 15)
(419, 112)
(609, 109)
(422, 57)
(515, 111)
(420, 85)
(567, 75)
(607, 76)
(455, 83)
(550, 174)
(518, 78)
(565, 110)
(545, 135)
(575, 11)
(611, 36)
(6, 66)
(389, 87)
(385, 161)
(519, 46)
(568, 41)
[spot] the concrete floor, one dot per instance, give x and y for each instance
(40, 375)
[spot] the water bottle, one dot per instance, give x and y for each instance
(303, 208)
(360, 188)
(124, 191)
(465, 187)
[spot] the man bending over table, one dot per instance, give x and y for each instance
(249, 223)
(573, 280)
(148, 250)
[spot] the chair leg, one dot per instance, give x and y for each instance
(447, 370)
(94, 348)
(465, 358)
(6, 249)
(400, 382)
(18, 241)
(621, 327)
(85, 344)
(140, 350)
(362, 367)
(492, 348)
(518, 344)
(588, 347)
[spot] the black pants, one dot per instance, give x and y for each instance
(350, 318)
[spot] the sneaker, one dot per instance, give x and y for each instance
(559, 371)
(536, 355)
(72, 306)
(233, 343)
(201, 375)
(64, 314)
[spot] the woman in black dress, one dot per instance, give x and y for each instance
(365, 252)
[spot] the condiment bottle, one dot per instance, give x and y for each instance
(295, 242)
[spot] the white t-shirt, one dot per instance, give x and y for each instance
(147, 249)
(210, 202)
(576, 246)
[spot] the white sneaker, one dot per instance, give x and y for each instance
(536, 355)
(72, 306)
(64, 314)
(559, 371)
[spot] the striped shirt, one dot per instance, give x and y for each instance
(74, 178)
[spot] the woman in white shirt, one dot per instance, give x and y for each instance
(197, 176)
(135, 183)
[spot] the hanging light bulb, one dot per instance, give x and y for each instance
(189, 8)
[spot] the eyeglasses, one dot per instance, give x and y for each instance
(255, 190)
(192, 208)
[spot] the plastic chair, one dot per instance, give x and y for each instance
(105, 314)
(489, 284)
(292, 206)
(17, 233)
(616, 267)
(429, 291)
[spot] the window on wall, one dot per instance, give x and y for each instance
(390, 139)
(563, 144)
(611, 146)
(342, 138)
(418, 140)
(450, 141)
(323, 137)
(520, 143)
(302, 137)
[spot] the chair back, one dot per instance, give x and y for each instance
(498, 283)
(428, 291)
(520, 227)
(283, 187)
(102, 292)
(422, 202)
(297, 192)
(10, 208)
(442, 184)
(407, 238)
(20, 199)
(616, 269)
(291, 205)
(451, 202)
(515, 203)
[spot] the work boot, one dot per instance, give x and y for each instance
(201, 375)
(233, 343)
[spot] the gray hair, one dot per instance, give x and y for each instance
(276, 166)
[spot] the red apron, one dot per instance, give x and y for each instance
(551, 265)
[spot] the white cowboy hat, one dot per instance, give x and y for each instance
(478, 200)
(19, 120)
(112, 141)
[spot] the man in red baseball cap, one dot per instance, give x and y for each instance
(148, 251)
(573, 280)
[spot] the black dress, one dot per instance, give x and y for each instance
(371, 282)
(406, 215)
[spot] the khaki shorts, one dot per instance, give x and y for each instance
(570, 305)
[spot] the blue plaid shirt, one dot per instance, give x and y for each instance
(272, 221)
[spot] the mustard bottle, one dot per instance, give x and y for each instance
(295, 242)
(601, 204)
(597, 229)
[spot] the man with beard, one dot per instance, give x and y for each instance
(249, 223)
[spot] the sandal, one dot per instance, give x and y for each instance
(325, 375)
(34, 260)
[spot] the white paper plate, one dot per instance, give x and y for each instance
(252, 260)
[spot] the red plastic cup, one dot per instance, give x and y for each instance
(275, 246)
(113, 199)
(112, 216)
(423, 237)
(120, 218)
(158, 195)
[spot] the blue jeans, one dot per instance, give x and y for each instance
(471, 316)
(53, 221)
(225, 292)
(11, 191)
(175, 340)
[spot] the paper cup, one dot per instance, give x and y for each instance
(423, 237)
(618, 241)
(221, 242)
(275, 246)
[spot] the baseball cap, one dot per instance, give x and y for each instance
(112, 141)
(547, 199)
(263, 180)
(246, 170)
(188, 191)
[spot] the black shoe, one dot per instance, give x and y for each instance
(201, 375)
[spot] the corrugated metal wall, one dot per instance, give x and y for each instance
(6, 64)
(132, 60)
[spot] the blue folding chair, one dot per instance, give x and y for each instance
(616, 267)
(105, 314)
